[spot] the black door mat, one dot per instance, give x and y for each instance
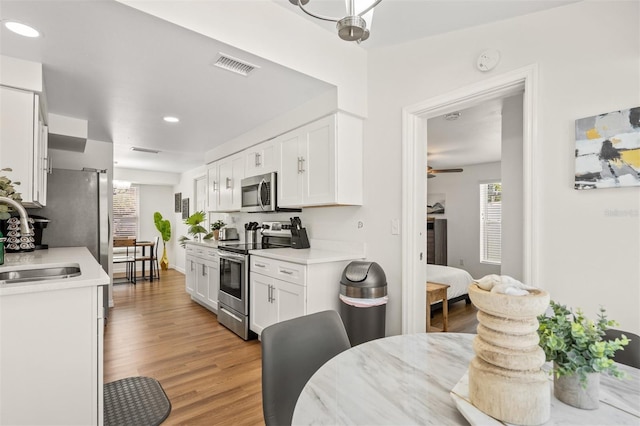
(139, 401)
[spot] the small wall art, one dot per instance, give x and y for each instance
(177, 202)
(435, 203)
(185, 208)
(608, 150)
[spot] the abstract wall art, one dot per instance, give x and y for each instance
(608, 150)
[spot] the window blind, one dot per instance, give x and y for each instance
(491, 222)
(125, 212)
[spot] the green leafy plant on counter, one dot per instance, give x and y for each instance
(195, 228)
(8, 190)
(217, 225)
(575, 343)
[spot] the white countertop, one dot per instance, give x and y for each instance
(307, 256)
(91, 273)
(205, 243)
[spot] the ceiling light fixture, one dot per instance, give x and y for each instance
(22, 29)
(170, 119)
(352, 27)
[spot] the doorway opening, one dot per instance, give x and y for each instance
(414, 183)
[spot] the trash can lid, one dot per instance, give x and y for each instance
(363, 280)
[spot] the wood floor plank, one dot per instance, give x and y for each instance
(211, 376)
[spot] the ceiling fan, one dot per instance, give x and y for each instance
(431, 172)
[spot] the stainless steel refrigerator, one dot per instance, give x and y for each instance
(78, 208)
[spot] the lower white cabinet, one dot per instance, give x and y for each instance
(51, 357)
(202, 275)
(281, 290)
(273, 301)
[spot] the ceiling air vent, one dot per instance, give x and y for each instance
(235, 65)
(150, 151)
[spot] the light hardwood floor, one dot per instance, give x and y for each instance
(211, 376)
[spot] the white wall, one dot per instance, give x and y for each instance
(589, 246)
(157, 198)
(462, 211)
(187, 188)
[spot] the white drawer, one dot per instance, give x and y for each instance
(210, 253)
(285, 271)
(190, 249)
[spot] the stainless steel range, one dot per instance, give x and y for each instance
(233, 297)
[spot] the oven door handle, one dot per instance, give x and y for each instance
(230, 256)
(235, 317)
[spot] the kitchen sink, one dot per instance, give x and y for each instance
(39, 274)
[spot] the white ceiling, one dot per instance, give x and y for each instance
(123, 70)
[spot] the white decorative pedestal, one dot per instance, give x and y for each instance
(505, 379)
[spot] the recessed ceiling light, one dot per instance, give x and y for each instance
(22, 29)
(170, 119)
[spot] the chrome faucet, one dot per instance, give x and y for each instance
(24, 217)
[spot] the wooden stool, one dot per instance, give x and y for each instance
(435, 293)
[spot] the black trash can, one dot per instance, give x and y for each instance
(363, 296)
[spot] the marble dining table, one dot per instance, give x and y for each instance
(408, 379)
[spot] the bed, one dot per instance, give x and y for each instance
(457, 279)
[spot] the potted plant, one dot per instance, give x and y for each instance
(164, 227)
(195, 228)
(215, 227)
(579, 352)
(8, 190)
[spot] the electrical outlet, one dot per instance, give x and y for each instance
(360, 224)
(395, 226)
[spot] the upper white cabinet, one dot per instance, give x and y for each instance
(223, 183)
(23, 143)
(262, 158)
(230, 175)
(321, 163)
(213, 187)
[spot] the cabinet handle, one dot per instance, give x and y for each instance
(215, 186)
(302, 160)
(228, 183)
(50, 165)
(269, 294)
(258, 159)
(260, 265)
(204, 271)
(284, 271)
(299, 164)
(273, 292)
(191, 264)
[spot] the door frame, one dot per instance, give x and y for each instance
(414, 164)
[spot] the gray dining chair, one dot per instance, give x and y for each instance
(630, 354)
(291, 352)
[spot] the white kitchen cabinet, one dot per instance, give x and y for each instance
(51, 357)
(262, 158)
(224, 178)
(321, 163)
(202, 275)
(213, 187)
(23, 143)
(282, 290)
(273, 300)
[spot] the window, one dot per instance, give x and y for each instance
(491, 222)
(125, 212)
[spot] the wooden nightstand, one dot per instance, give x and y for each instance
(435, 293)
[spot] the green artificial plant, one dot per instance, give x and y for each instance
(195, 228)
(163, 226)
(576, 344)
(8, 190)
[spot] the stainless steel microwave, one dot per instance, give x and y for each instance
(259, 194)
